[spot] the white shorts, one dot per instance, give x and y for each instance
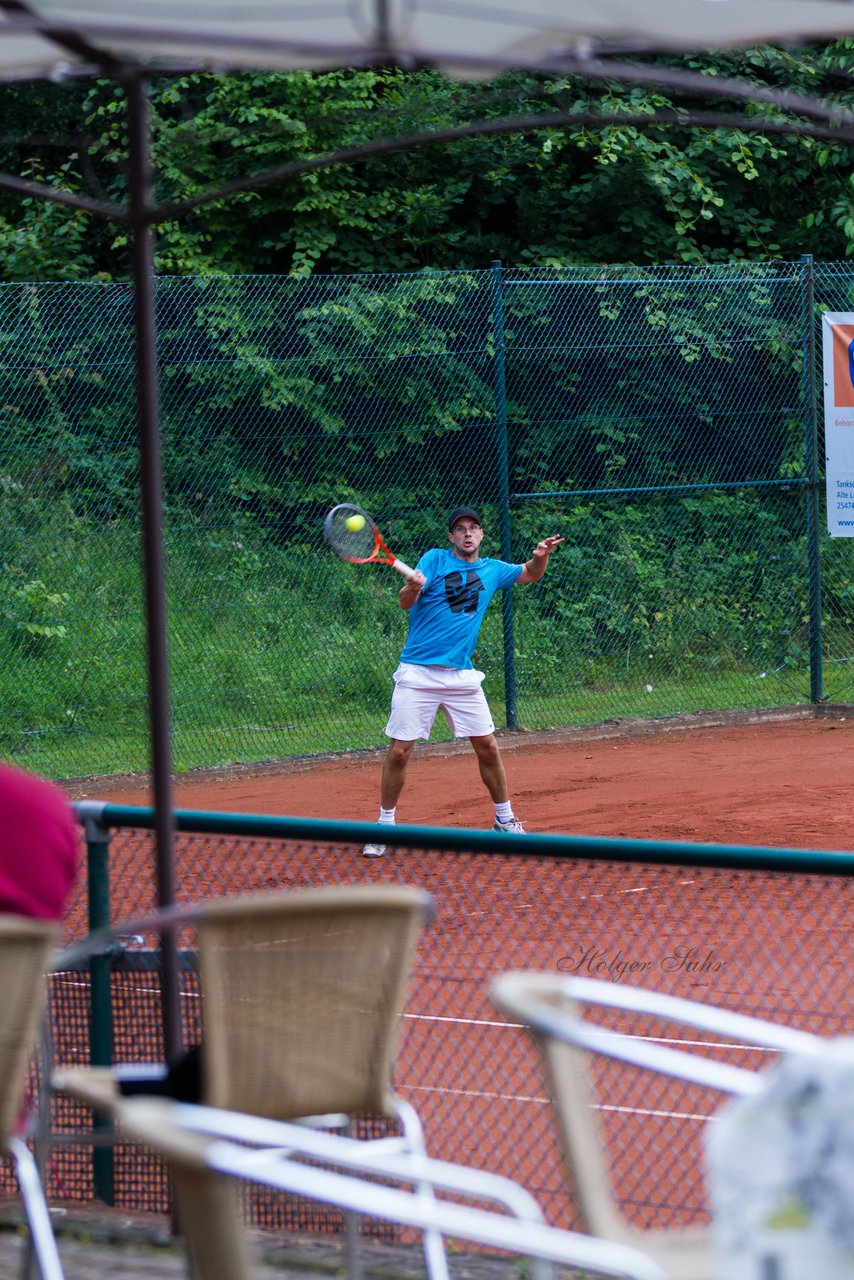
(419, 692)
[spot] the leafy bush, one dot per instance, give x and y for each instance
(33, 613)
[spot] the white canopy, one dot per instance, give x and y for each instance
(466, 37)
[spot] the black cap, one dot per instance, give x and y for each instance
(463, 513)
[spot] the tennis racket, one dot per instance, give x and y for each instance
(352, 534)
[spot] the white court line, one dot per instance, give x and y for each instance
(522, 1097)
(581, 897)
(472, 1093)
(140, 991)
(616, 892)
(617, 1035)
(665, 1115)
(463, 1022)
(507, 1026)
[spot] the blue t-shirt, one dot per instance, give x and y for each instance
(445, 620)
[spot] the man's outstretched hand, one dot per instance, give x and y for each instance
(534, 568)
(547, 546)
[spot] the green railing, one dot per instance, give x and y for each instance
(755, 930)
(662, 419)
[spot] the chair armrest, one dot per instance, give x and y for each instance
(531, 998)
(292, 1139)
(771, 1035)
(96, 1086)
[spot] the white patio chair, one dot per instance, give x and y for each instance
(548, 1005)
(209, 1150)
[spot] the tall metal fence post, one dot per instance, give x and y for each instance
(100, 998)
(151, 475)
(503, 495)
(812, 463)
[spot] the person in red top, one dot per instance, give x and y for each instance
(38, 850)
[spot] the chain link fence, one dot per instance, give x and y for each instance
(662, 419)
(763, 932)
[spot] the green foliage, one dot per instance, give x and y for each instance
(559, 196)
(32, 612)
(642, 191)
(281, 396)
(676, 585)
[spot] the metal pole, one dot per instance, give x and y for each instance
(811, 459)
(100, 996)
(503, 458)
(142, 235)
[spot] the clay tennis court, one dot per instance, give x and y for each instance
(778, 945)
(778, 782)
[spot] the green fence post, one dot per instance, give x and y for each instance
(100, 999)
(811, 458)
(503, 495)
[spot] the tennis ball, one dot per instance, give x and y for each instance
(355, 522)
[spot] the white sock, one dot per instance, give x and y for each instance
(504, 812)
(387, 816)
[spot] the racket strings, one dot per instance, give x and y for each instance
(350, 544)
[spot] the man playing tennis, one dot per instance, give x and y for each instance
(446, 596)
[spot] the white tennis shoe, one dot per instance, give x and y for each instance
(513, 827)
(373, 851)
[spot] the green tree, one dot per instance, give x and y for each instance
(583, 192)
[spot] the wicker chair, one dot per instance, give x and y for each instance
(302, 997)
(303, 994)
(25, 947)
(548, 1005)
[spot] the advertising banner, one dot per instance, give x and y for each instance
(837, 331)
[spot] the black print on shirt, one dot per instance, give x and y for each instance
(461, 592)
